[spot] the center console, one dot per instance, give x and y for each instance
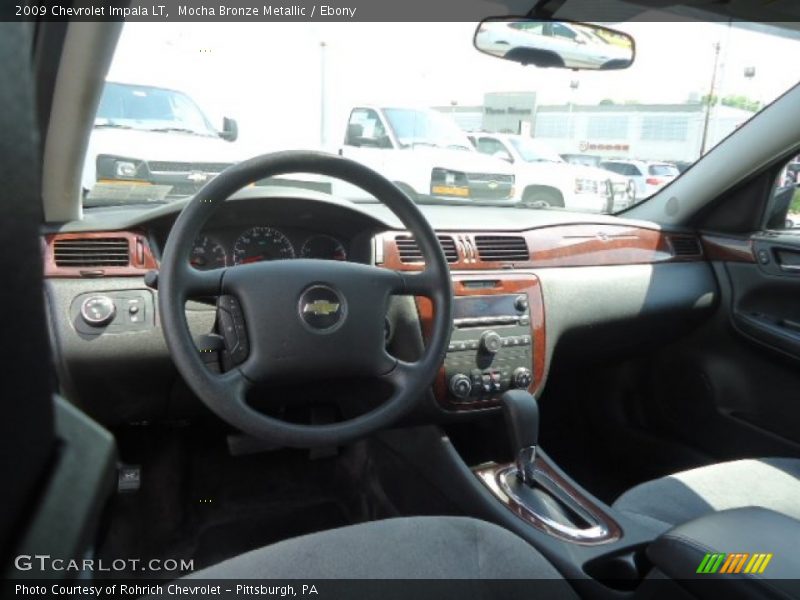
(497, 342)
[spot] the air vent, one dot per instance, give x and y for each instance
(686, 246)
(92, 252)
(409, 251)
(497, 248)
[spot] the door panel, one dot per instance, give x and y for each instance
(766, 295)
(732, 389)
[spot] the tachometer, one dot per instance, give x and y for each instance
(207, 254)
(324, 247)
(261, 243)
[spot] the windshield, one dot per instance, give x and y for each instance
(149, 108)
(426, 127)
(666, 170)
(532, 151)
(447, 123)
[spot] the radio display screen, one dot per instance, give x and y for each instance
(465, 307)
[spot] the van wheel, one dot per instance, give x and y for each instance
(542, 198)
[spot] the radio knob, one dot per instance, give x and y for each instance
(522, 378)
(98, 310)
(521, 303)
(460, 385)
(491, 342)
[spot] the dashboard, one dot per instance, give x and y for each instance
(576, 282)
(289, 228)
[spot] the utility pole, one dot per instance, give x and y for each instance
(710, 100)
(323, 84)
(573, 87)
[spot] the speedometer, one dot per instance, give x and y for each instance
(261, 243)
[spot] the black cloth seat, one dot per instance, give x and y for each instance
(401, 548)
(772, 483)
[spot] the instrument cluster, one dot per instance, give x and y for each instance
(225, 248)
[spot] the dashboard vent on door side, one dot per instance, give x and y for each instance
(92, 252)
(686, 246)
(502, 248)
(410, 252)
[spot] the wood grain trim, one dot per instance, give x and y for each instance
(559, 246)
(489, 476)
(728, 249)
(141, 256)
(505, 283)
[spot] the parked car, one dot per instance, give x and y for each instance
(425, 153)
(649, 176)
(545, 179)
(172, 145)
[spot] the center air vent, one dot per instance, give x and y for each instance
(502, 248)
(410, 253)
(92, 252)
(685, 246)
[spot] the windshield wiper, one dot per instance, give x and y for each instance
(110, 125)
(180, 130)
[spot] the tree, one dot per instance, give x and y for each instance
(742, 102)
(607, 102)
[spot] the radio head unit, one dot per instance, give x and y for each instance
(491, 347)
(471, 311)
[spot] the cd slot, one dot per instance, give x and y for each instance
(500, 320)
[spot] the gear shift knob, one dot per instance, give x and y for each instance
(521, 412)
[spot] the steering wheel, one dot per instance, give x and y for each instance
(302, 319)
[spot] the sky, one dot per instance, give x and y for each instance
(269, 76)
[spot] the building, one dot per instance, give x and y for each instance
(670, 132)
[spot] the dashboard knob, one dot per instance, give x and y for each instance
(521, 303)
(522, 378)
(491, 342)
(98, 310)
(460, 385)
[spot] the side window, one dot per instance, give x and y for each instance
(366, 129)
(493, 147)
(784, 206)
(564, 32)
(615, 167)
(536, 27)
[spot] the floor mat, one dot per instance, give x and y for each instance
(196, 502)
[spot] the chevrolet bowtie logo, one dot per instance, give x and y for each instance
(321, 308)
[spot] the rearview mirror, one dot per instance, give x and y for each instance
(560, 44)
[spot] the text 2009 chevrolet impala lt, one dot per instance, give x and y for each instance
(336, 339)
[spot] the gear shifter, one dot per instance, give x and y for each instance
(521, 412)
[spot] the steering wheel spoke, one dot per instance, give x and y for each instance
(401, 375)
(425, 283)
(199, 283)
